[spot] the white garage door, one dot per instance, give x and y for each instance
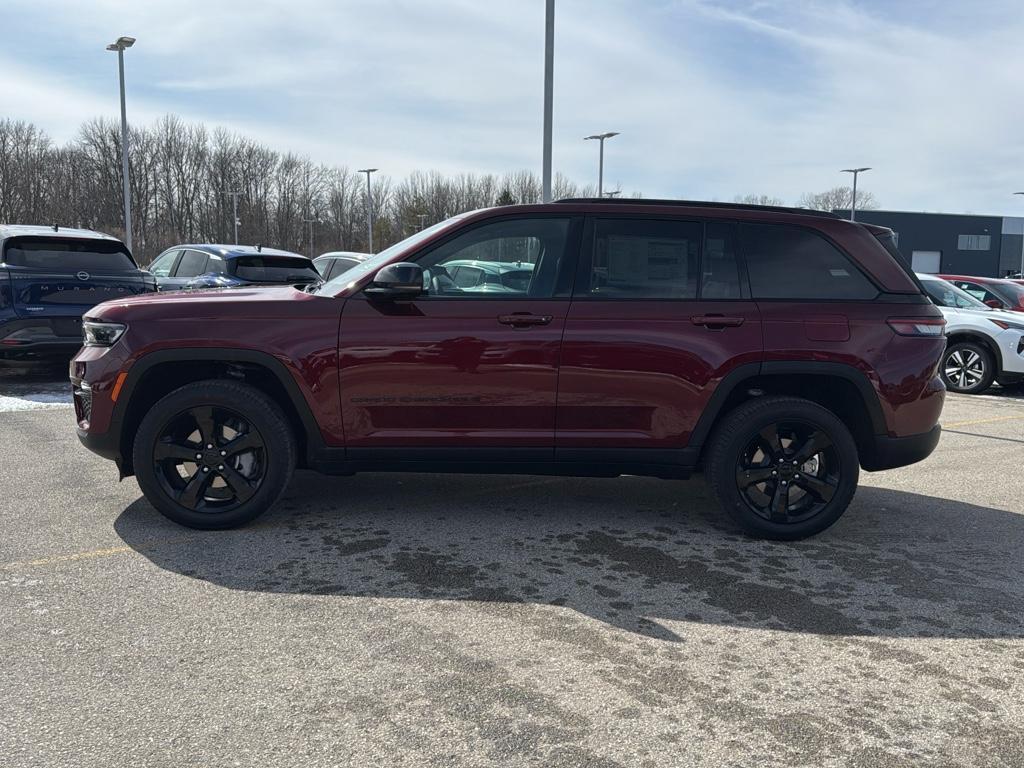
(928, 262)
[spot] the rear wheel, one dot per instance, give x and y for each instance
(968, 368)
(782, 467)
(214, 454)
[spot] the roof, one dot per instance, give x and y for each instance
(642, 201)
(40, 230)
(235, 251)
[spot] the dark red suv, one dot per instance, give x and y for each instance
(780, 350)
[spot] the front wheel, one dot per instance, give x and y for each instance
(214, 454)
(968, 368)
(782, 467)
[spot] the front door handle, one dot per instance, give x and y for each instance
(716, 322)
(524, 319)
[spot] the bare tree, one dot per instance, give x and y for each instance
(836, 198)
(758, 200)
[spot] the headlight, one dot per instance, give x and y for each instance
(1007, 325)
(97, 334)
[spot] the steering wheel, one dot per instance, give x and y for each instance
(441, 282)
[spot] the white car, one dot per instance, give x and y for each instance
(985, 344)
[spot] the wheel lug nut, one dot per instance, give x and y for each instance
(223, 453)
(784, 482)
(220, 466)
(774, 473)
(796, 476)
(206, 469)
(199, 455)
(209, 445)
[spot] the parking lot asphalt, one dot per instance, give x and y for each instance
(481, 620)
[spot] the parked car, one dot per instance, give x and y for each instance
(984, 344)
(191, 267)
(780, 350)
(333, 263)
(994, 292)
(49, 276)
(489, 276)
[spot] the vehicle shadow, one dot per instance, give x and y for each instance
(643, 554)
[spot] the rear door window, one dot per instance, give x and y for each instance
(641, 259)
(790, 263)
(164, 264)
(192, 263)
(93, 256)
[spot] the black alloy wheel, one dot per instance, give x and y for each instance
(214, 454)
(782, 467)
(209, 459)
(788, 472)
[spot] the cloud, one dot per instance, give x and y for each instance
(712, 99)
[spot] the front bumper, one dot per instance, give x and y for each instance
(891, 452)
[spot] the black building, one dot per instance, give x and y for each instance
(953, 243)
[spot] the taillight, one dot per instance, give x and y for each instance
(918, 326)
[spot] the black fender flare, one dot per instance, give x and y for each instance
(749, 371)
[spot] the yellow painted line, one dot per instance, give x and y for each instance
(982, 421)
(87, 555)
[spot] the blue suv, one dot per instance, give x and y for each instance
(190, 267)
(49, 277)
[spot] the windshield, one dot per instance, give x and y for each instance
(948, 295)
(275, 269)
(374, 263)
(98, 256)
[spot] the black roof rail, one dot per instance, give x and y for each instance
(700, 204)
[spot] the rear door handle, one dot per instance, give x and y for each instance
(524, 319)
(717, 321)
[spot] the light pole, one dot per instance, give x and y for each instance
(369, 206)
(119, 45)
(549, 95)
(311, 222)
(234, 210)
(600, 163)
(853, 203)
(422, 217)
(1021, 275)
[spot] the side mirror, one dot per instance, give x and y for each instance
(994, 303)
(397, 281)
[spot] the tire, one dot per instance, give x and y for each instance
(802, 498)
(968, 368)
(247, 448)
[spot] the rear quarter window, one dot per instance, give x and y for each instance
(99, 256)
(786, 262)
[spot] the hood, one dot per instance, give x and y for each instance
(255, 301)
(995, 314)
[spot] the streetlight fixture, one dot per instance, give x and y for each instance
(311, 222)
(600, 163)
(234, 209)
(853, 203)
(549, 96)
(120, 45)
(369, 206)
(1021, 275)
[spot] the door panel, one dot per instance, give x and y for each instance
(642, 353)
(638, 374)
(464, 366)
(441, 372)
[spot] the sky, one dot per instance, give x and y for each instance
(712, 99)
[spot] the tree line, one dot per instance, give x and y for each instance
(181, 174)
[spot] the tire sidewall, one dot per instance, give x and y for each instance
(249, 403)
(738, 430)
(987, 378)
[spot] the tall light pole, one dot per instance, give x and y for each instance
(1021, 244)
(549, 94)
(311, 222)
(423, 218)
(234, 210)
(853, 203)
(600, 163)
(369, 206)
(119, 45)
